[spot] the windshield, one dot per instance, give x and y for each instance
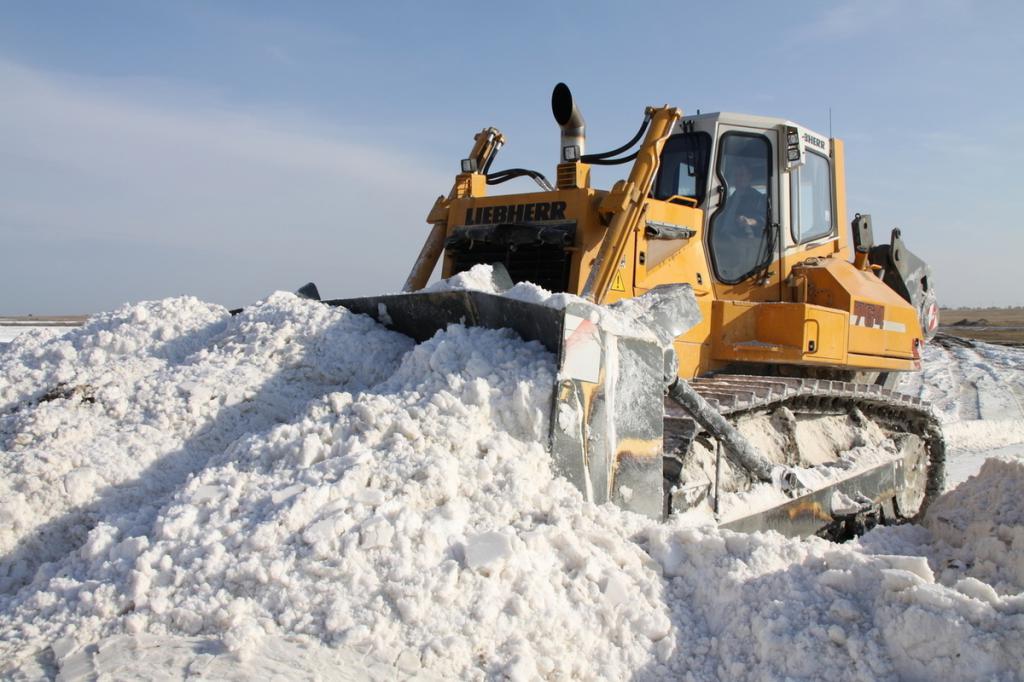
(684, 167)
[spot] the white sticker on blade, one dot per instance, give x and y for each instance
(582, 350)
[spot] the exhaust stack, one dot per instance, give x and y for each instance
(569, 118)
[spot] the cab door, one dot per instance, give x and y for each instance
(813, 220)
(742, 235)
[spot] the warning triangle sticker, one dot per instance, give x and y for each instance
(617, 284)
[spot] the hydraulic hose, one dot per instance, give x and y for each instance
(510, 173)
(596, 158)
(614, 162)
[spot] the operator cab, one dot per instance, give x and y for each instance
(766, 187)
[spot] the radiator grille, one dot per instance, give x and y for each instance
(529, 253)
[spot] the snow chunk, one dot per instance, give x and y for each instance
(973, 587)
(478, 278)
(485, 552)
(377, 533)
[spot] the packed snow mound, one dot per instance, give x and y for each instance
(982, 523)
(981, 381)
(760, 607)
(136, 657)
(993, 496)
(110, 418)
(411, 513)
(481, 277)
(978, 392)
(977, 389)
(658, 318)
(300, 474)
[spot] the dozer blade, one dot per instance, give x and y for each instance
(609, 421)
(607, 405)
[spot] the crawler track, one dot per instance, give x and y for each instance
(737, 395)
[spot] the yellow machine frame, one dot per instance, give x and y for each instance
(815, 306)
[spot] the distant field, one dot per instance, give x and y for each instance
(43, 320)
(1004, 326)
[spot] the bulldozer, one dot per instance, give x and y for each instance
(753, 377)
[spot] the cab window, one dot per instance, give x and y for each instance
(740, 230)
(684, 167)
(811, 199)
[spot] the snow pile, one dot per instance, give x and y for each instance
(978, 391)
(136, 657)
(760, 607)
(108, 419)
(9, 332)
(298, 477)
(477, 278)
(648, 317)
(971, 382)
(982, 522)
(415, 518)
(482, 277)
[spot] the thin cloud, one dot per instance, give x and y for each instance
(853, 18)
(281, 55)
(75, 120)
(94, 161)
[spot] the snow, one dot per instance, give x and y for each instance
(963, 464)
(130, 657)
(9, 332)
(985, 382)
(298, 491)
(978, 392)
(621, 318)
(984, 521)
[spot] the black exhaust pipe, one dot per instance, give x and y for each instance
(570, 120)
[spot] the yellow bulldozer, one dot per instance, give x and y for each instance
(754, 381)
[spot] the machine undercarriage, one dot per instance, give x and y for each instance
(869, 454)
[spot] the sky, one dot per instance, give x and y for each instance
(229, 149)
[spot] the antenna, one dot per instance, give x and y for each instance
(830, 122)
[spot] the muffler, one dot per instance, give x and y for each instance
(570, 120)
